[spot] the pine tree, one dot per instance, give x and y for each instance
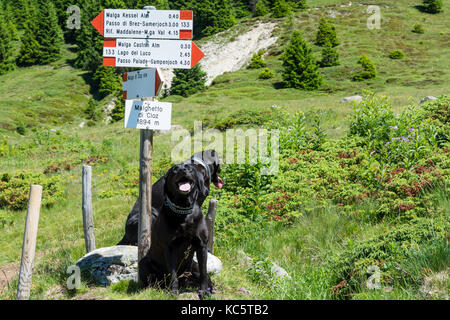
(30, 50)
(297, 4)
(89, 41)
(330, 56)
(108, 81)
(188, 81)
(326, 33)
(281, 9)
(6, 51)
(432, 6)
(210, 16)
(49, 34)
(300, 67)
(260, 9)
(369, 70)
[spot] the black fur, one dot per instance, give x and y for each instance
(210, 157)
(177, 235)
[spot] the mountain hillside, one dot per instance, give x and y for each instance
(361, 185)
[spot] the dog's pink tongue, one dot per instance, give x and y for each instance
(219, 184)
(185, 186)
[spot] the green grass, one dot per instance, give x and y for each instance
(54, 97)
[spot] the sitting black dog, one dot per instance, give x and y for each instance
(179, 230)
(206, 162)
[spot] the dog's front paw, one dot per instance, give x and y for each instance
(204, 293)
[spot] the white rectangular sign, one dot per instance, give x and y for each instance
(143, 83)
(152, 115)
(148, 24)
(146, 53)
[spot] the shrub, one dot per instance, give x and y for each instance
(257, 62)
(432, 6)
(388, 252)
(93, 113)
(21, 128)
(396, 54)
(330, 56)
(14, 189)
(300, 67)
(188, 81)
(326, 33)
(369, 70)
(266, 74)
(418, 28)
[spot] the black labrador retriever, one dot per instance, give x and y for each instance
(206, 162)
(178, 230)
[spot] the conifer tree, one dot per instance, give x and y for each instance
(281, 9)
(108, 81)
(368, 71)
(30, 50)
(432, 6)
(330, 56)
(300, 67)
(188, 81)
(48, 34)
(6, 52)
(260, 9)
(326, 33)
(89, 41)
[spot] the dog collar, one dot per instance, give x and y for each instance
(177, 209)
(203, 163)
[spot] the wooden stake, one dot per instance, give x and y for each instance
(29, 243)
(210, 218)
(145, 196)
(88, 220)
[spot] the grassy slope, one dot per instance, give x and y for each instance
(424, 71)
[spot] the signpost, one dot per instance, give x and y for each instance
(141, 84)
(144, 24)
(153, 115)
(144, 53)
(129, 42)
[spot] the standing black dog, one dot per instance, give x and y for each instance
(179, 230)
(206, 162)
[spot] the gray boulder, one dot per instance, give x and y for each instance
(428, 98)
(352, 98)
(113, 264)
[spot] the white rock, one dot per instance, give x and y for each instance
(113, 264)
(428, 98)
(352, 98)
(213, 264)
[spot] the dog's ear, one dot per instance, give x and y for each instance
(202, 188)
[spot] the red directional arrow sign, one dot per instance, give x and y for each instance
(146, 53)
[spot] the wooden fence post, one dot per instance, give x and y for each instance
(88, 221)
(210, 218)
(29, 243)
